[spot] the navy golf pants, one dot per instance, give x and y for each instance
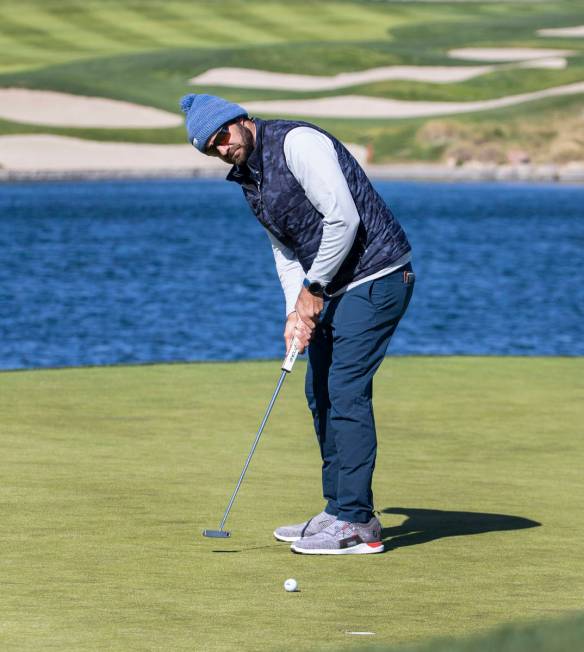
(348, 346)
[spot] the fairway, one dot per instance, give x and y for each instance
(110, 474)
(147, 53)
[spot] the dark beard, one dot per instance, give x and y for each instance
(247, 145)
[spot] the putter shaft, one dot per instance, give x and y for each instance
(254, 446)
(287, 365)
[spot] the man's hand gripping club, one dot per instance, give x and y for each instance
(303, 321)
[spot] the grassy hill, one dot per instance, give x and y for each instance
(110, 474)
(146, 51)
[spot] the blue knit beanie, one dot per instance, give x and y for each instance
(205, 114)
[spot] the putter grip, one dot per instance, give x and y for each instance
(291, 356)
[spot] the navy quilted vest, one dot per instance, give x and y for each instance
(280, 204)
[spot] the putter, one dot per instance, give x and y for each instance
(286, 369)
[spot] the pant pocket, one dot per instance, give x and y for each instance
(392, 293)
(386, 291)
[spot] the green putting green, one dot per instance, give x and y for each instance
(110, 474)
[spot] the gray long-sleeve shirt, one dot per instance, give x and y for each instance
(312, 159)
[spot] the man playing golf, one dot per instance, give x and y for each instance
(344, 264)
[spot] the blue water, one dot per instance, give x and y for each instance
(121, 272)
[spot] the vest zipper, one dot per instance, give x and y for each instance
(261, 202)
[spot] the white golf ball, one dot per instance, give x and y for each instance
(291, 585)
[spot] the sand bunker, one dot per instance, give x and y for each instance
(65, 110)
(48, 153)
(506, 54)
(43, 152)
(246, 78)
(359, 106)
(555, 63)
(563, 31)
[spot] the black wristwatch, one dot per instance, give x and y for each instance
(315, 288)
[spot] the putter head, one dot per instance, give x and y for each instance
(217, 534)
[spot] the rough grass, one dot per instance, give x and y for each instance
(557, 635)
(109, 475)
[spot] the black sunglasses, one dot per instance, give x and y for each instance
(222, 137)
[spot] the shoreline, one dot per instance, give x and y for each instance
(543, 173)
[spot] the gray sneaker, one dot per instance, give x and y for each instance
(343, 538)
(313, 526)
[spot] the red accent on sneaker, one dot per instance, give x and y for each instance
(375, 544)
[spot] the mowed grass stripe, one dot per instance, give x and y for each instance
(273, 25)
(29, 36)
(132, 33)
(200, 25)
(158, 30)
(241, 27)
(358, 22)
(286, 24)
(353, 22)
(19, 55)
(177, 18)
(75, 23)
(56, 23)
(125, 34)
(105, 35)
(481, 29)
(290, 23)
(303, 21)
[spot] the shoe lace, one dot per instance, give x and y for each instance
(339, 526)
